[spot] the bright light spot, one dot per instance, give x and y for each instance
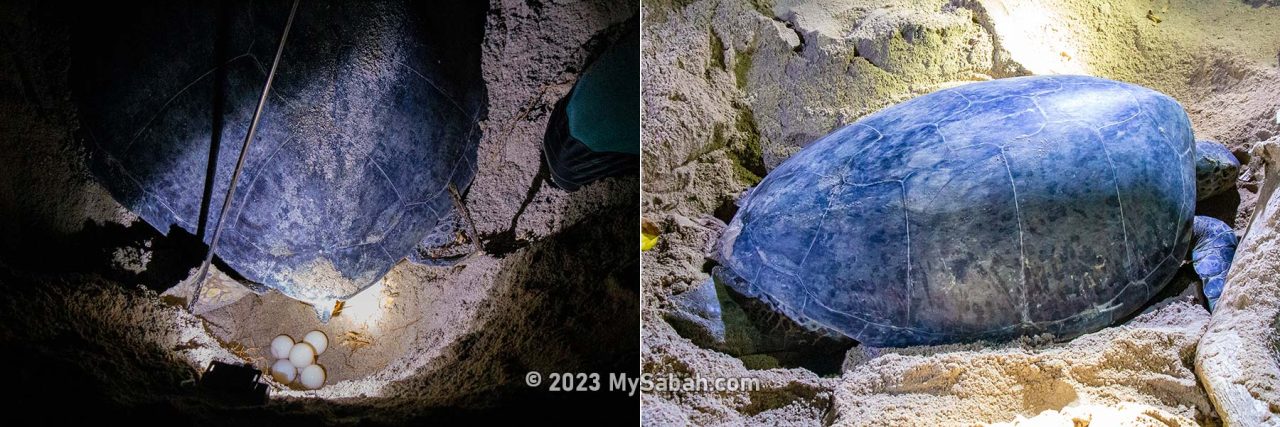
(366, 307)
(324, 309)
(1035, 37)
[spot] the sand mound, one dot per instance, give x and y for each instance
(1146, 363)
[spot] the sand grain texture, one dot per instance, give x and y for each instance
(1237, 357)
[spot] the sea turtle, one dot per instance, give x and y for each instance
(1019, 206)
(367, 140)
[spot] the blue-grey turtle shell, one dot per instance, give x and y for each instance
(1048, 204)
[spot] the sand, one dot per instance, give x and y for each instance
(81, 275)
(1146, 363)
(373, 329)
(731, 88)
(1237, 358)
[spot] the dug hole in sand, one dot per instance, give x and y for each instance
(97, 297)
(732, 88)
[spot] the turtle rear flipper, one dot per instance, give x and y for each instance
(715, 316)
(695, 314)
(453, 239)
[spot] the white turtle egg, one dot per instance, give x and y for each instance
(283, 371)
(280, 346)
(318, 340)
(302, 355)
(312, 377)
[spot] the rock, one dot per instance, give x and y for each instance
(1236, 360)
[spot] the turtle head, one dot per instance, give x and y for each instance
(1216, 169)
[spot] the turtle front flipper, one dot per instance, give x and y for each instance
(1214, 246)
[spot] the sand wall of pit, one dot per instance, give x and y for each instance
(1237, 356)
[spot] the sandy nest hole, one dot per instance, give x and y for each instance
(373, 329)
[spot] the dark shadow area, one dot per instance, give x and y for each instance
(726, 210)
(567, 303)
(136, 253)
(216, 111)
(100, 365)
(780, 342)
(1223, 206)
(1184, 281)
(462, 24)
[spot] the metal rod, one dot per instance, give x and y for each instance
(244, 152)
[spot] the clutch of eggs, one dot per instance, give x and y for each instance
(297, 360)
